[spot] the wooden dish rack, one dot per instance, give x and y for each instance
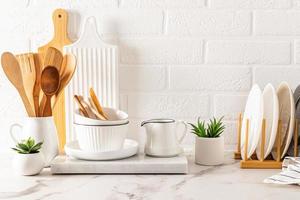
(269, 162)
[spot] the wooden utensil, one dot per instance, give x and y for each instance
(53, 58)
(50, 84)
(81, 107)
(84, 107)
(69, 67)
(94, 109)
(60, 39)
(97, 103)
(37, 87)
(27, 64)
(13, 72)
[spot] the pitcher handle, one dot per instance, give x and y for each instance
(184, 133)
(11, 132)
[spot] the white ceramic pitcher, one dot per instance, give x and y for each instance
(162, 137)
(41, 129)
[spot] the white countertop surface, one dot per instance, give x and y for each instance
(221, 182)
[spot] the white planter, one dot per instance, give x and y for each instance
(28, 164)
(209, 151)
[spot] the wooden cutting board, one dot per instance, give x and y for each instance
(97, 66)
(60, 39)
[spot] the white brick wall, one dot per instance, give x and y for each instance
(179, 58)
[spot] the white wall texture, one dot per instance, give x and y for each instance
(179, 58)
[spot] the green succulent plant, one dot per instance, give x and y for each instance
(28, 146)
(213, 129)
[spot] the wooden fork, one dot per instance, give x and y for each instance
(27, 66)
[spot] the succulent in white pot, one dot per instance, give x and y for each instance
(28, 160)
(209, 144)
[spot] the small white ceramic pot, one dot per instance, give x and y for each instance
(101, 138)
(28, 164)
(209, 151)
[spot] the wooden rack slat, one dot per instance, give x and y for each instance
(254, 163)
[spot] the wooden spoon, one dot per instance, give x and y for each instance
(68, 69)
(13, 72)
(97, 103)
(50, 84)
(54, 58)
(27, 64)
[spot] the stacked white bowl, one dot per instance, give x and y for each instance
(101, 135)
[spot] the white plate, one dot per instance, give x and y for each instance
(253, 112)
(271, 115)
(287, 117)
(129, 149)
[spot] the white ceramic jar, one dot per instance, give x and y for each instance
(28, 164)
(41, 129)
(209, 151)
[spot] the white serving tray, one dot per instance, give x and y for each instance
(139, 164)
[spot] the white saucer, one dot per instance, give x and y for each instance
(130, 148)
(148, 152)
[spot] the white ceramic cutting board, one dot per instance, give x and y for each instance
(97, 66)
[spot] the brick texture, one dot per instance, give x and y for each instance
(195, 22)
(248, 52)
(178, 58)
(212, 78)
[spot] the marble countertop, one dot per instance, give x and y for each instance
(220, 182)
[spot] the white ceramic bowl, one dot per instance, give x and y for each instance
(101, 138)
(115, 117)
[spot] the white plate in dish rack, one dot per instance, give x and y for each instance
(271, 115)
(129, 149)
(97, 66)
(253, 112)
(287, 117)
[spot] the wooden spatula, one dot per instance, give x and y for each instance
(27, 64)
(53, 58)
(69, 67)
(37, 86)
(94, 109)
(97, 103)
(13, 72)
